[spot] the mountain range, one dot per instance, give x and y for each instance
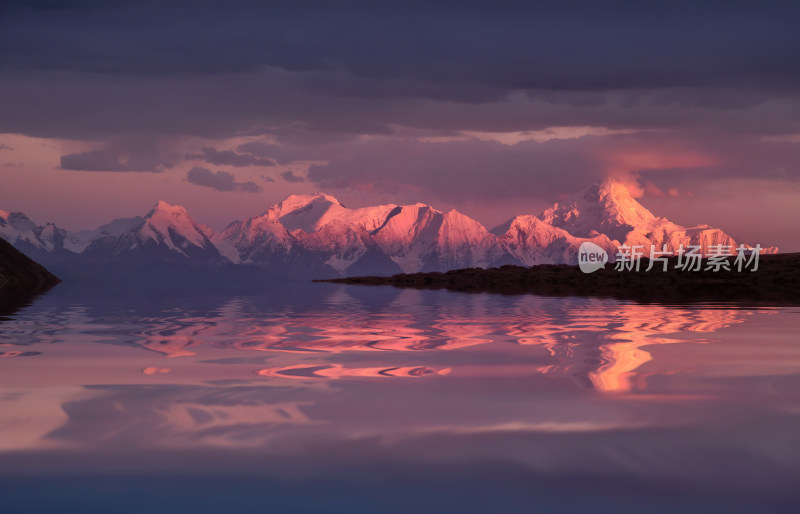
(315, 235)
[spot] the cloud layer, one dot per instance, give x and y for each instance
(451, 102)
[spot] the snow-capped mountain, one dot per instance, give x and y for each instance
(166, 233)
(382, 239)
(531, 241)
(315, 235)
(420, 238)
(347, 249)
(606, 208)
(258, 240)
(20, 231)
(78, 241)
(609, 208)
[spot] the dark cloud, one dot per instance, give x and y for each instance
(289, 176)
(137, 153)
(241, 67)
(551, 45)
(220, 181)
(100, 160)
(358, 86)
(5, 147)
(96, 107)
(230, 158)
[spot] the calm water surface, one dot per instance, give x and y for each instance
(328, 398)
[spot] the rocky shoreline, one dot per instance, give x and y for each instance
(777, 280)
(21, 279)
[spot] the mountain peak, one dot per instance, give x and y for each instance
(17, 220)
(165, 219)
(609, 190)
(308, 212)
(606, 207)
(163, 208)
(298, 201)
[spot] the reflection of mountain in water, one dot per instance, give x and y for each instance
(601, 343)
(319, 378)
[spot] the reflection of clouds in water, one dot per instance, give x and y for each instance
(29, 414)
(421, 377)
(155, 371)
(178, 416)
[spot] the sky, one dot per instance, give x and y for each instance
(495, 109)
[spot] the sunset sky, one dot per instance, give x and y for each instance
(496, 110)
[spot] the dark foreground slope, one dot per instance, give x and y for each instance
(20, 278)
(777, 280)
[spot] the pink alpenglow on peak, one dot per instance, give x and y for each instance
(316, 235)
(532, 241)
(166, 221)
(306, 212)
(608, 208)
(166, 233)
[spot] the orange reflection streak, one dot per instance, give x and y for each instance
(460, 333)
(628, 326)
(646, 325)
(600, 340)
(352, 332)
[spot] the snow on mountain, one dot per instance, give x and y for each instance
(603, 208)
(306, 212)
(258, 240)
(381, 239)
(20, 231)
(531, 241)
(172, 225)
(315, 234)
(609, 208)
(311, 233)
(420, 238)
(310, 213)
(167, 232)
(348, 248)
(78, 241)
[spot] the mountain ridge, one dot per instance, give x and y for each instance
(315, 234)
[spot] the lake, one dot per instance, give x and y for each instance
(333, 398)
